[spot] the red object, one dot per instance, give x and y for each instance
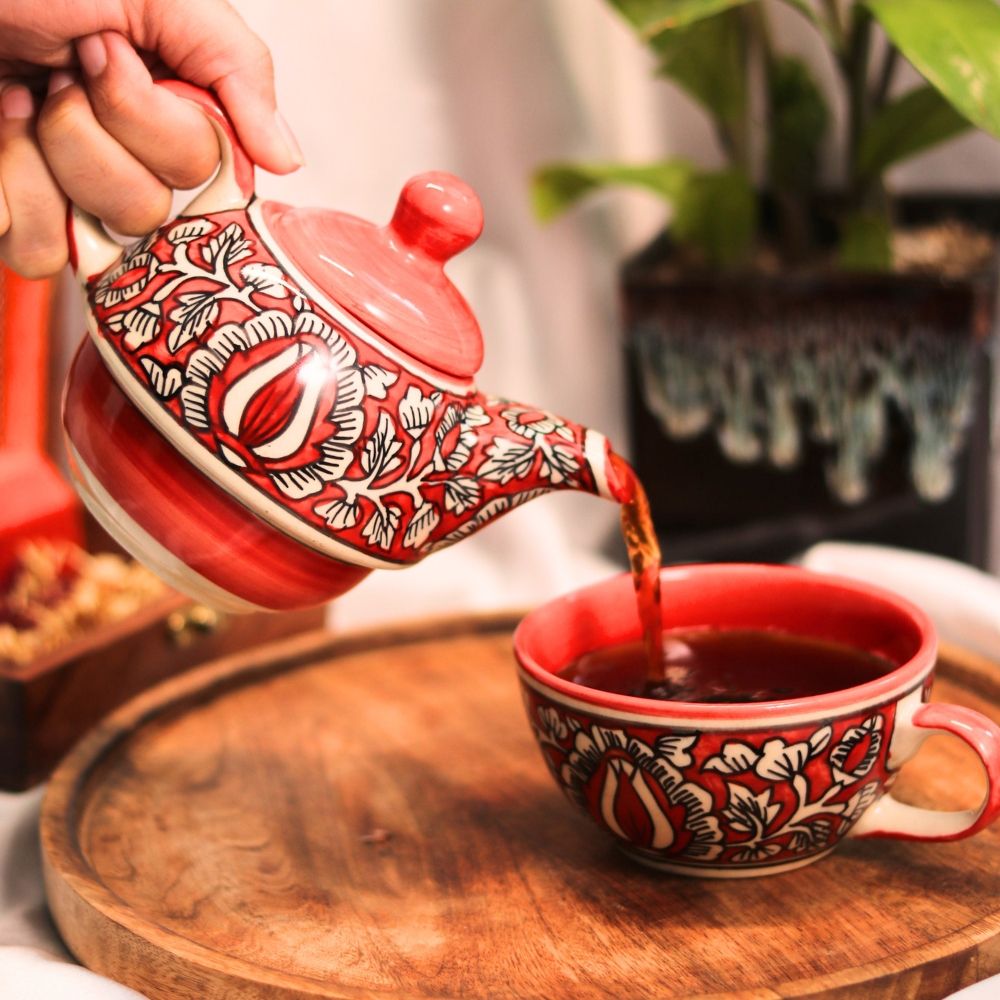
(24, 324)
(198, 524)
(314, 371)
(392, 278)
(36, 502)
(738, 789)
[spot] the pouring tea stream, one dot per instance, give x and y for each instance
(273, 401)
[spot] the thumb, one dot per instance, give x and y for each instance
(207, 43)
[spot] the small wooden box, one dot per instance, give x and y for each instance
(46, 705)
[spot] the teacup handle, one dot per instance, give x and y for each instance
(891, 818)
(92, 250)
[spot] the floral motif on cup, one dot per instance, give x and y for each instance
(639, 792)
(758, 799)
(856, 753)
(307, 412)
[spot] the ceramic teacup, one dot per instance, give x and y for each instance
(730, 790)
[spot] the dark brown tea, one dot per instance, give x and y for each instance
(719, 665)
(708, 665)
(644, 561)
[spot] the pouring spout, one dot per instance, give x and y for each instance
(611, 473)
(493, 455)
(539, 451)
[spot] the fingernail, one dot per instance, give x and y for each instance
(294, 150)
(16, 103)
(93, 54)
(60, 80)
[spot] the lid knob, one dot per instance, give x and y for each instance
(437, 214)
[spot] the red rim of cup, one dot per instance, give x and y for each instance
(842, 594)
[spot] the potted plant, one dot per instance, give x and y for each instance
(802, 364)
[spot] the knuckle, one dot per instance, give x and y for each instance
(113, 104)
(256, 63)
(62, 117)
(197, 169)
(260, 55)
(140, 215)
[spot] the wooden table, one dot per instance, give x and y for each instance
(369, 817)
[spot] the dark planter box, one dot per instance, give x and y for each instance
(808, 407)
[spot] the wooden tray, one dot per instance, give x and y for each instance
(48, 704)
(369, 817)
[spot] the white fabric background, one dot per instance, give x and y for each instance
(381, 90)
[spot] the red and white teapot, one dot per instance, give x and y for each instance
(273, 401)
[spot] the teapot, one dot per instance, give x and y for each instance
(273, 401)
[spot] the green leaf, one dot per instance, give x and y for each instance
(799, 119)
(866, 244)
(715, 215)
(558, 186)
(955, 44)
(916, 121)
(708, 60)
(650, 17)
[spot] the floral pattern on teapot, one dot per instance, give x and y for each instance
(309, 413)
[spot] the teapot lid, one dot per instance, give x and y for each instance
(392, 277)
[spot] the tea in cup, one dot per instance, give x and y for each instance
(787, 702)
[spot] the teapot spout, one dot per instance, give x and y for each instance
(536, 451)
(496, 455)
(610, 474)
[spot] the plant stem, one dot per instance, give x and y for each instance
(835, 26)
(760, 53)
(731, 146)
(866, 196)
(793, 231)
(738, 133)
(857, 63)
(889, 63)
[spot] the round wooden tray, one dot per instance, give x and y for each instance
(369, 817)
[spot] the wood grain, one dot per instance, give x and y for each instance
(369, 817)
(48, 704)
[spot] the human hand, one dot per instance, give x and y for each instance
(81, 117)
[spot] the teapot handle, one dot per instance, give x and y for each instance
(92, 250)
